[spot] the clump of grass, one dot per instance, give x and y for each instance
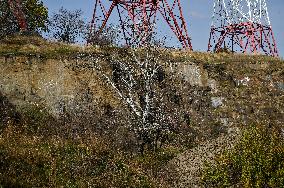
(256, 161)
(29, 157)
(35, 118)
(18, 39)
(19, 45)
(32, 161)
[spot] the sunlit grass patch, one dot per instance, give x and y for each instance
(29, 160)
(256, 161)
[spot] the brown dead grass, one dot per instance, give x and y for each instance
(29, 45)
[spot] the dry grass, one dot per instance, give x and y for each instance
(31, 45)
(29, 160)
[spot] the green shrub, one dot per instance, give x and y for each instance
(256, 161)
(36, 118)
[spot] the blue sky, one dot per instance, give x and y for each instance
(197, 14)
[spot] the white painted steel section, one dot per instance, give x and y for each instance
(228, 12)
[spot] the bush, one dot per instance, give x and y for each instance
(36, 15)
(109, 36)
(67, 26)
(256, 161)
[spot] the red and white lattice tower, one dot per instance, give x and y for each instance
(137, 18)
(16, 9)
(242, 26)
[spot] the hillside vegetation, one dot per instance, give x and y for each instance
(63, 125)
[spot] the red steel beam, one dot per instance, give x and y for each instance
(16, 8)
(141, 16)
(246, 37)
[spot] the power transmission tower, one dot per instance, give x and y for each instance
(137, 18)
(16, 8)
(242, 26)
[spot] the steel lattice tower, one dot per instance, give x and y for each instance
(137, 18)
(242, 26)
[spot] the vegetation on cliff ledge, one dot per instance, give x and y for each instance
(205, 95)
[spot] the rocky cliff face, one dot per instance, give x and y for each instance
(56, 84)
(217, 93)
(238, 94)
